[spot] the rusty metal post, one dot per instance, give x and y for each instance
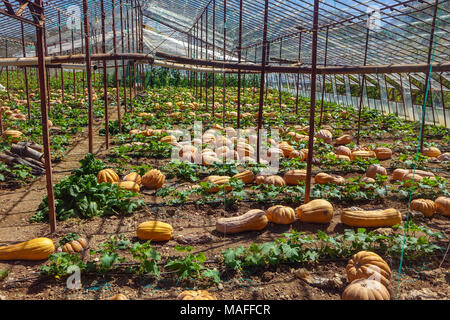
(224, 79)
(7, 70)
(105, 75)
(88, 73)
(443, 100)
(213, 57)
(239, 70)
(73, 71)
(428, 75)
(298, 74)
(412, 98)
(206, 56)
(82, 51)
(403, 96)
(44, 120)
(133, 42)
(363, 82)
(60, 52)
(279, 76)
(323, 78)
(123, 62)
(116, 67)
(201, 55)
(261, 84)
(312, 101)
(266, 83)
(25, 73)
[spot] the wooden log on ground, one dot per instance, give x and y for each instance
(26, 152)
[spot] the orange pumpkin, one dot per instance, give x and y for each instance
(425, 206)
(367, 264)
(107, 175)
(153, 179)
(365, 289)
(443, 206)
(280, 214)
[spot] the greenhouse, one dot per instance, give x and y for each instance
(224, 150)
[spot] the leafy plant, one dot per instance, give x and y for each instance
(191, 266)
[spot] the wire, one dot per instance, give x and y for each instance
(417, 155)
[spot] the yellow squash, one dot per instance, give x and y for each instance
(372, 218)
(35, 249)
(155, 231)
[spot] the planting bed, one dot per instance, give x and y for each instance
(295, 261)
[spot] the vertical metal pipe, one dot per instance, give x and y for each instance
(73, 71)
(25, 73)
(428, 75)
(362, 88)
(298, 74)
(88, 73)
(312, 100)
(105, 76)
(206, 55)
(201, 55)
(7, 70)
(239, 70)
(267, 61)
(261, 83)
(323, 78)
(412, 99)
(60, 52)
(279, 77)
(403, 96)
(213, 57)
(443, 100)
(387, 94)
(116, 67)
(44, 120)
(224, 55)
(123, 62)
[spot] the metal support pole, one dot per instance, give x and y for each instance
(105, 75)
(430, 51)
(224, 55)
(73, 71)
(213, 57)
(362, 88)
(323, 78)
(123, 62)
(201, 56)
(261, 83)
(88, 73)
(7, 71)
(279, 76)
(44, 120)
(206, 56)
(60, 52)
(298, 74)
(25, 73)
(239, 70)
(443, 100)
(312, 100)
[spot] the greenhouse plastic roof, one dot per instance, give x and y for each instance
(399, 30)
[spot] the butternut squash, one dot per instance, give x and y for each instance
(35, 249)
(155, 231)
(372, 218)
(246, 176)
(252, 220)
(280, 214)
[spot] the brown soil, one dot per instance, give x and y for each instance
(427, 279)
